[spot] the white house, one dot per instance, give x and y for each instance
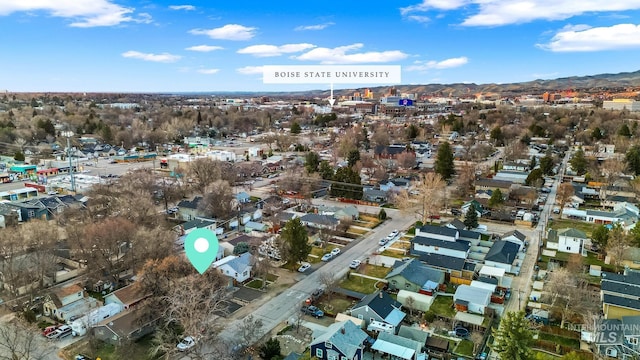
(440, 240)
(236, 267)
(516, 237)
(503, 254)
(471, 299)
(568, 240)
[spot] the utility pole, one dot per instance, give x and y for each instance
(68, 135)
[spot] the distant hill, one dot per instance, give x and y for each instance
(592, 83)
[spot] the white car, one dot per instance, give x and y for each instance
(335, 252)
(327, 257)
(393, 234)
(304, 267)
(186, 344)
(383, 241)
(355, 264)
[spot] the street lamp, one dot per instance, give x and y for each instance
(68, 135)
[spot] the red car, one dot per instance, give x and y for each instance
(49, 329)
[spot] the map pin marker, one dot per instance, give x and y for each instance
(201, 246)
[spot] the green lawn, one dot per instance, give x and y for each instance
(465, 347)
(337, 304)
(373, 270)
(443, 306)
(254, 284)
(359, 284)
(574, 343)
(391, 253)
(576, 224)
(539, 355)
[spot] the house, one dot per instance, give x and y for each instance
(515, 237)
(456, 224)
(440, 240)
(125, 327)
(618, 338)
(374, 195)
(452, 266)
(319, 221)
(196, 223)
(342, 340)
(397, 347)
(485, 184)
(395, 185)
(568, 240)
(631, 258)
(473, 204)
(243, 197)
(349, 212)
(503, 254)
(413, 276)
(620, 294)
(237, 268)
(472, 299)
(68, 303)
(389, 152)
(128, 296)
(188, 209)
(515, 166)
(379, 307)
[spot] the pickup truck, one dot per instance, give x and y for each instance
(312, 310)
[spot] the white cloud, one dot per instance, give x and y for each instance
(228, 32)
(208, 71)
(84, 13)
(250, 70)
(313, 27)
(339, 55)
(204, 48)
(438, 65)
(274, 50)
(503, 12)
(419, 18)
(582, 39)
(164, 57)
(182, 7)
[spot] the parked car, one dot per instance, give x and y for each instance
(61, 332)
(82, 357)
(304, 267)
(313, 311)
(335, 252)
(383, 241)
(317, 293)
(186, 344)
(49, 329)
(355, 264)
(327, 257)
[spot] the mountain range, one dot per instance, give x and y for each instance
(591, 84)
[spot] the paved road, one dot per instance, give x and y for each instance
(280, 309)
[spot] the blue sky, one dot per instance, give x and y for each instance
(172, 46)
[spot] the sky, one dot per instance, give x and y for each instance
(209, 46)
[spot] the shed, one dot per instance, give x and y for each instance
(475, 299)
(421, 302)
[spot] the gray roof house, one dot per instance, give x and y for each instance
(236, 267)
(471, 299)
(397, 347)
(618, 338)
(319, 221)
(413, 276)
(342, 340)
(503, 255)
(379, 307)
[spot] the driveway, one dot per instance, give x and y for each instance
(247, 295)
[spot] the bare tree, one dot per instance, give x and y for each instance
(410, 303)
(476, 338)
(617, 245)
(569, 295)
(329, 282)
(564, 195)
(430, 189)
(406, 160)
(204, 172)
(218, 201)
(107, 242)
(249, 330)
(19, 340)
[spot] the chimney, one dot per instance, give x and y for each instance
(626, 270)
(380, 294)
(342, 331)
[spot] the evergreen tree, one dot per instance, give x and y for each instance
(597, 134)
(546, 165)
(199, 119)
(533, 163)
(579, 162)
(382, 215)
(633, 159)
(312, 161)
(497, 136)
(471, 218)
(295, 241)
(600, 236)
(270, 349)
(496, 198)
(412, 132)
(326, 170)
(444, 161)
(534, 176)
(18, 156)
(513, 339)
(295, 128)
(624, 131)
(343, 177)
(353, 157)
